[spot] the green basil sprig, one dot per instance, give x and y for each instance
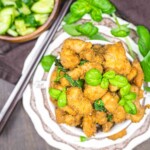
(99, 106)
(76, 83)
(83, 138)
(86, 29)
(105, 5)
(47, 61)
(94, 7)
(120, 30)
(146, 67)
(144, 40)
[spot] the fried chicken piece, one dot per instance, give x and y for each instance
(91, 56)
(69, 59)
(90, 65)
(69, 110)
(113, 88)
(138, 80)
(132, 74)
(64, 82)
(94, 92)
(138, 91)
(63, 117)
(80, 71)
(76, 73)
(87, 54)
(115, 59)
(76, 45)
(100, 117)
(118, 135)
(89, 126)
(110, 101)
(107, 126)
(119, 115)
(79, 103)
(58, 86)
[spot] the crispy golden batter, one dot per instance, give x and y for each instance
(115, 59)
(79, 103)
(113, 88)
(107, 126)
(118, 135)
(132, 74)
(69, 59)
(138, 80)
(76, 45)
(94, 92)
(110, 101)
(62, 117)
(100, 117)
(89, 126)
(119, 115)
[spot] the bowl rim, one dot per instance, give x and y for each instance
(39, 30)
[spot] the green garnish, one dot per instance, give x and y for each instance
(99, 105)
(47, 61)
(83, 138)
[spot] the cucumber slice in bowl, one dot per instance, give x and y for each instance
(5, 23)
(43, 6)
(9, 2)
(41, 18)
(6, 18)
(21, 27)
(12, 32)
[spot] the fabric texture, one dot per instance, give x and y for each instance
(12, 56)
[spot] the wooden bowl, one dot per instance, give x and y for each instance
(39, 30)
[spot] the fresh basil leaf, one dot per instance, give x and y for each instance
(59, 65)
(99, 105)
(109, 117)
(71, 81)
(71, 18)
(98, 36)
(47, 62)
(79, 83)
(130, 108)
(145, 64)
(96, 14)
(144, 40)
(82, 62)
(75, 83)
(120, 31)
(80, 8)
(83, 138)
(105, 5)
(147, 89)
(87, 29)
(71, 29)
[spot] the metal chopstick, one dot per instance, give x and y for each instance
(25, 78)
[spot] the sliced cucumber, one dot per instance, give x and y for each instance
(41, 18)
(21, 27)
(24, 9)
(9, 2)
(12, 32)
(43, 6)
(5, 22)
(8, 11)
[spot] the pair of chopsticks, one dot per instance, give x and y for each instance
(25, 78)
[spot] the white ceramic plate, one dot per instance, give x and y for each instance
(41, 110)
